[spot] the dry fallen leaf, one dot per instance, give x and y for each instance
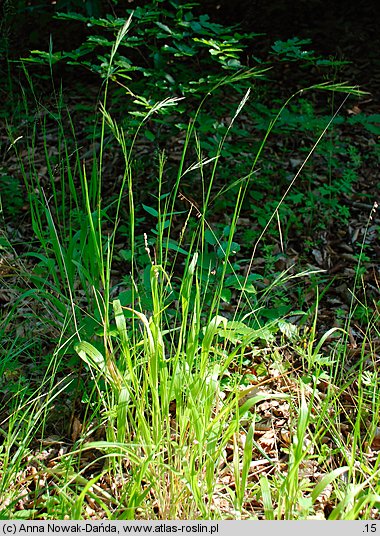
(268, 440)
(375, 445)
(76, 429)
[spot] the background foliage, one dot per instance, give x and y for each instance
(189, 272)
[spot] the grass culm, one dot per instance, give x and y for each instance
(157, 401)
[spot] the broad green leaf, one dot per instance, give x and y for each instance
(91, 355)
(152, 211)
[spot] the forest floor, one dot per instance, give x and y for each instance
(331, 229)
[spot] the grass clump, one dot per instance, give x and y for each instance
(171, 374)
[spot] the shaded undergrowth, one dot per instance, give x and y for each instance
(161, 362)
